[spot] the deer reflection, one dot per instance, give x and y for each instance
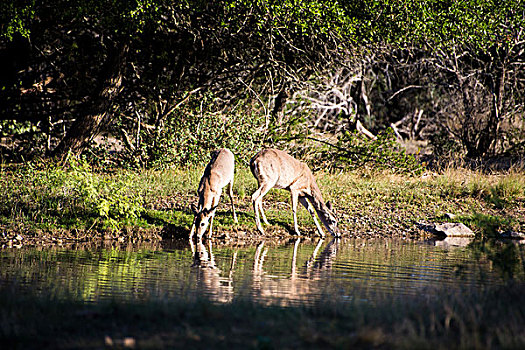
(303, 283)
(258, 263)
(326, 258)
(208, 274)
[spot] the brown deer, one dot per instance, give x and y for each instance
(275, 168)
(218, 173)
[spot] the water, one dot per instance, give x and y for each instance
(298, 272)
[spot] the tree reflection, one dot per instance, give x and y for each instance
(506, 257)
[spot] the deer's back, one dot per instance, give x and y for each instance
(219, 171)
(272, 165)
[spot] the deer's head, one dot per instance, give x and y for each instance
(330, 220)
(203, 217)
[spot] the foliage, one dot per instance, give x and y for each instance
(77, 197)
(459, 63)
(69, 196)
(444, 145)
(384, 153)
(188, 135)
(445, 22)
(490, 226)
(14, 18)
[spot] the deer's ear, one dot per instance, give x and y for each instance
(329, 206)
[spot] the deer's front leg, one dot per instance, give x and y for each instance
(215, 204)
(295, 198)
(311, 210)
(192, 231)
(230, 193)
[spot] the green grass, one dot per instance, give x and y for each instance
(49, 198)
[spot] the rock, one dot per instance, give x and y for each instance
(512, 235)
(453, 229)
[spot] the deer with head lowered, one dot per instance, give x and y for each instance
(277, 169)
(218, 173)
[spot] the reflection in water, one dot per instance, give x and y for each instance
(258, 263)
(209, 275)
(301, 286)
(302, 271)
(450, 242)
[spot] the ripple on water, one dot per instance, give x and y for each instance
(299, 272)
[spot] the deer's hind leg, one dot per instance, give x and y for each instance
(257, 197)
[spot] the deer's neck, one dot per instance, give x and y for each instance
(206, 194)
(316, 198)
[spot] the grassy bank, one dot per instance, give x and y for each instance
(485, 319)
(76, 202)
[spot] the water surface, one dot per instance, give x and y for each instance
(300, 271)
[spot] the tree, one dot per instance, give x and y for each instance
(73, 68)
(90, 61)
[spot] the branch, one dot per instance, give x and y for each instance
(172, 109)
(359, 126)
(404, 89)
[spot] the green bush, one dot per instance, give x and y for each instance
(62, 195)
(354, 151)
(189, 139)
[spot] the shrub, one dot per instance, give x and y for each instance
(56, 195)
(354, 151)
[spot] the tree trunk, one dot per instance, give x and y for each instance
(92, 114)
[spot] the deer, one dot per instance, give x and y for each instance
(218, 173)
(277, 169)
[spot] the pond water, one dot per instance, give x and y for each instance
(297, 272)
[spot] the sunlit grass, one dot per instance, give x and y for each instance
(77, 197)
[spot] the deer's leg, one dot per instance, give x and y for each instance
(295, 197)
(260, 209)
(230, 193)
(192, 231)
(257, 204)
(210, 232)
(257, 219)
(195, 211)
(214, 204)
(311, 210)
(263, 215)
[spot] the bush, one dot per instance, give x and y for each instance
(189, 139)
(354, 151)
(60, 196)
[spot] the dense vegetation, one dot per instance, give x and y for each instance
(166, 82)
(45, 203)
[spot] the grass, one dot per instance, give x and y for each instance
(486, 319)
(54, 199)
